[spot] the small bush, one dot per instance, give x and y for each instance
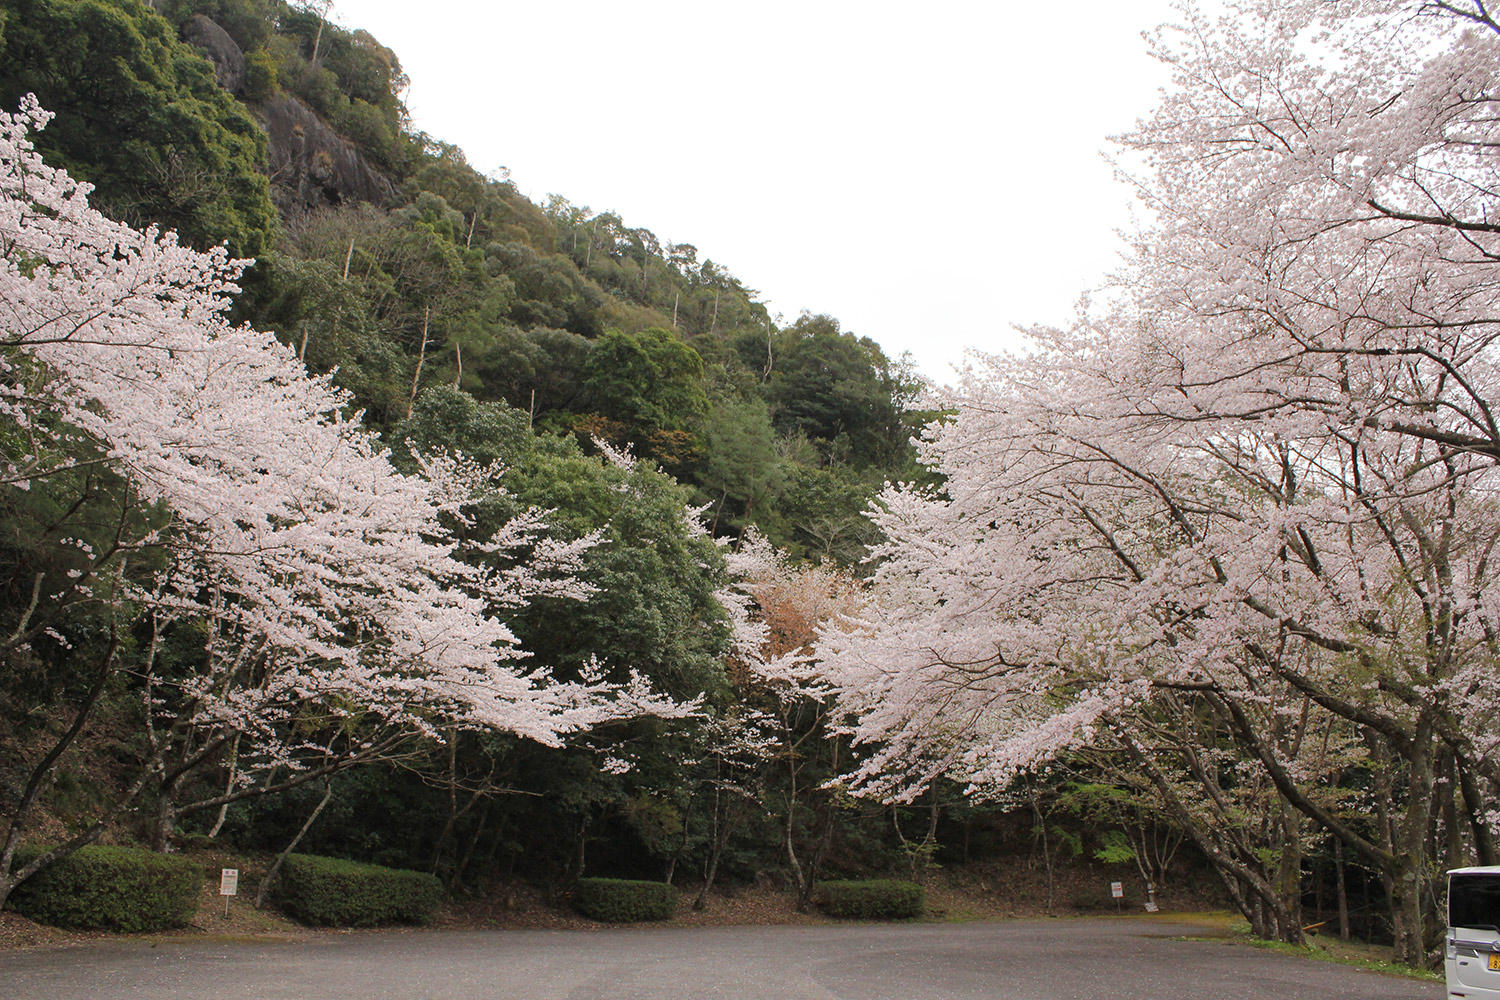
(366, 127)
(331, 892)
(873, 899)
(110, 888)
(260, 77)
(621, 901)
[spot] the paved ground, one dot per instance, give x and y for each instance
(1025, 960)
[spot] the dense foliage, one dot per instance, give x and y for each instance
(112, 888)
(330, 892)
(623, 901)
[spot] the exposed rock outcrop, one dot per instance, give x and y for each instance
(311, 165)
(222, 51)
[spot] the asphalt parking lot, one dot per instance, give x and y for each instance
(1107, 959)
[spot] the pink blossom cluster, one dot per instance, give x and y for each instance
(323, 575)
(1262, 471)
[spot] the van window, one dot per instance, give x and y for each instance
(1474, 901)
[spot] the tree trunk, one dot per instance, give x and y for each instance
(1289, 873)
(1041, 829)
(416, 376)
(1413, 916)
(265, 883)
(809, 871)
(716, 851)
(1343, 889)
(468, 855)
(1475, 809)
(583, 838)
(234, 762)
(165, 820)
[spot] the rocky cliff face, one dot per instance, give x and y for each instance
(221, 50)
(311, 165)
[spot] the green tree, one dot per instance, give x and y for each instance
(837, 390)
(650, 387)
(819, 513)
(740, 471)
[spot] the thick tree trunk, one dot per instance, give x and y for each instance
(1475, 809)
(165, 821)
(1289, 873)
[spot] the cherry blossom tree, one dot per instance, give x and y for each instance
(1255, 487)
(776, 607)
(281, 590)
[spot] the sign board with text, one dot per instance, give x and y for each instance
(229, 882)
(1117, 890)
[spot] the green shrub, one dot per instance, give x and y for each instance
(366, 127)
(873, 899)
(621, 901)
(110, 888)
(337, 893)
(261, 83)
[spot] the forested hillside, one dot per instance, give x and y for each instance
(458, 317)
(381, 254)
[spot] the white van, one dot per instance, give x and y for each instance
(1472, 955)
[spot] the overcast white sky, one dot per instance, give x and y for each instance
(928, 174)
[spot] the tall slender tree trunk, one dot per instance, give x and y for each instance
(1343, 889)
(322, 11)
(416, 376)
(462, 867)
(1041, 829)
(581, 859)
(265, 883)
(716, 849)
(234, 761)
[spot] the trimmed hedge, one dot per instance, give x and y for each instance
(331, 892)
(110, 888)
(622, 901)
(873, 899)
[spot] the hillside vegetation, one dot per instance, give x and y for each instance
(458, 316)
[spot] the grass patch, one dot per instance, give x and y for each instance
(1356, 954)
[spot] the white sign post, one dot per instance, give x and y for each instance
(229, 885)
(1117, 890)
